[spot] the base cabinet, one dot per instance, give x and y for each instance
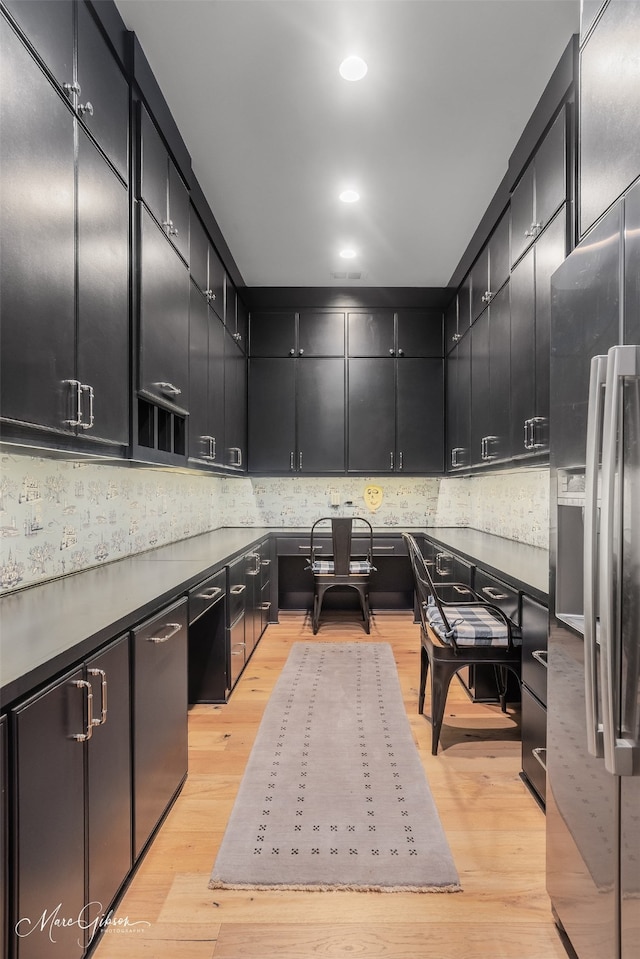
(73, 830)
(159, 717)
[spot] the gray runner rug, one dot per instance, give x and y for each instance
(334, 795)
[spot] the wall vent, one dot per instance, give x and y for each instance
(342, 275)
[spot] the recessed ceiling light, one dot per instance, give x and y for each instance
(353, 68)
(348, 254)
(349, 196)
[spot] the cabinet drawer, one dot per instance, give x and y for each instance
(206, 594)
(535, 620)
(499, 594)
(301, 545)
(534, 742)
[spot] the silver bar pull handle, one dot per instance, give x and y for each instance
(236, 590)
(595, 409)
(77, 386)
(493, 593)
(168, 388)
(541, 656)
(82, 737)
(461, 589)
(621, 754)
(401, 461)
(103, 696)
(173, 629)
(265, 606)
(292, 460)
(300, 460)
(85, 388)
(390, 460)
(210, 593)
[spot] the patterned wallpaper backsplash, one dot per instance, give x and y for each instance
(59, 516)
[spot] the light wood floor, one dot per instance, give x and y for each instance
(494, 827)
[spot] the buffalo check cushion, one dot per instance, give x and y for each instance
(355, 566)
(471, 626)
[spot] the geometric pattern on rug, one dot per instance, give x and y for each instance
(334, 795)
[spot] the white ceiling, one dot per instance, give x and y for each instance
(274, 133)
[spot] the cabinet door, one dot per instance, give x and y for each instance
(216, 282)
(459, 405)
(371, 334)
(420, 415)
(164, 316)
(499, 255)
(230, 306)
(609, 121)
(321, 415)
(371, 414)
(522, 222)
(104, 87)
(216, 386)
(480, 386)
(550, 253)
(479, 284)
(36, 242)
(49, 26)
(49, 826)
(159, 717)
(198, 252)
(551, 175)
(109, 773)
(419, 333)
(242, 324)
(272, 441)
(452, 409)
(272, 334)
(178, 212)
(199, 436)
(451, 325)
(103, 293)
(235, 404)
(522, 349)
(499, 445)
(154, 170)
(320, 334)
(464, 304)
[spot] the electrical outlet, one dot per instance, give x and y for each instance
(335, 498)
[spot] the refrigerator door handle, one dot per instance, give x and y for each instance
(621, 754)
(597, 380)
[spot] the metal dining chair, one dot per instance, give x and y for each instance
(350, 564)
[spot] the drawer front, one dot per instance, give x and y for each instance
(237, 649)
(497, 593)
(535, 624)
(534, 742)
(169, 624)
(301, 545)
(207, 594)
(237, 589)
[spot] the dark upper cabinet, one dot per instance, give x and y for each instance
(499, 255)
(464, 304)
(320, 408)
(296, 415)
(459, 405)
(530, 332)
(371, 334)
(609, 123)
(304, 334)
(206, 382)
(490, 363)
(451, 335)
(37, 260)
(164, 317)
(385, 333)
(92, 80)
(272, 415)
(49, 25)
(65, 295)
(161, 187)
(420, 419)
(103, 346)
(541, 190)
(242, 324)
(372, 410)
(480, 284)
(235, 405)
(102, 98)
(205, 266)
(230, 307)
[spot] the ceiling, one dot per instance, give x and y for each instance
(275, 133)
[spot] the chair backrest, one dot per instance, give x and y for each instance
(341, 533)
(425, 590)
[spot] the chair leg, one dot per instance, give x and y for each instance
(424, 670)
(317, 604)
(366, 612)
(441, 676)
(502, 678)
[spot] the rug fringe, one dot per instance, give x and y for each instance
(340, 887)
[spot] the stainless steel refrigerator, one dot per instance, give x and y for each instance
(593, 733)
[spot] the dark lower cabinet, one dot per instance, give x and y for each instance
(535, 626)
(72, 827)
(208, 668)
(160, 702)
